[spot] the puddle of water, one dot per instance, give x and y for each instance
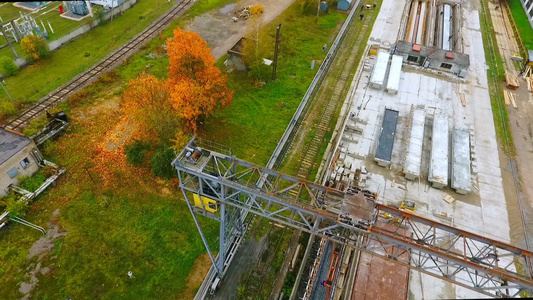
(227, 9)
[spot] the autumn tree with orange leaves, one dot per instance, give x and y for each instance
(196, 86)
(147, 101)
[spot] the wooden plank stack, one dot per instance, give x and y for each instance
(511, 81)
(510, 98)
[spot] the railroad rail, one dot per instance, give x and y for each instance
(90, 75)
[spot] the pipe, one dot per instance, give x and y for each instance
(415, 32)
(411, 26)
(421, 23)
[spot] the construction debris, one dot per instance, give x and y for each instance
(506, 97)
(449, 199)
(512, 97)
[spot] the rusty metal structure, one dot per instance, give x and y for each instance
(351, 216)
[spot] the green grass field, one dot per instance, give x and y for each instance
(524, 27)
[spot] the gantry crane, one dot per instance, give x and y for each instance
(223, 187)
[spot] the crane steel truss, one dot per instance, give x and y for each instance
(466, 259)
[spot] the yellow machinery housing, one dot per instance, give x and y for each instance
(206, 203)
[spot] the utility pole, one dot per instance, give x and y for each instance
(317, 10)
(276, 51)
(7, 40)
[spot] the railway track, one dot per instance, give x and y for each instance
(112, 60)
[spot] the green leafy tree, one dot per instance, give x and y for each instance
(255, 48)
(35, 47)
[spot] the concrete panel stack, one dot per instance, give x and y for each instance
(395, 73)
(377, 79)
(461, 162)
(438, 167)
(414, 151)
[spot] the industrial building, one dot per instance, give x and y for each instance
(19, 157)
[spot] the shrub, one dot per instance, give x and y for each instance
(31, 183)
(35, 47)
(77, 97)
(136, 152)
(161, 160)
(109, 77)
(8, 67)
(7, 108)
(99, 14)
(16, 208)
(256, 10)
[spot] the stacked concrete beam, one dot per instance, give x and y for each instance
(395, 73)
(461, 162)
(414, 151)
(377, 79)
(438, 167)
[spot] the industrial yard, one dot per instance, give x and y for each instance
(395, 178)
(434, 111)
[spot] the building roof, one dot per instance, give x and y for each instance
(386, 140)
(11, 143)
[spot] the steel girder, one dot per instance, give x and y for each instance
(451, 254)
(466, 259)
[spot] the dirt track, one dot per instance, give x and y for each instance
(221, 33)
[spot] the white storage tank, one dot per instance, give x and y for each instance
(377, 79)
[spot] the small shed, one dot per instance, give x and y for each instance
(235, 56)
(344, 4)
(438, 166)
(413, 157)
(461, 162)
(18, 157)
(386, 139)
(395, 73)
(377, 79)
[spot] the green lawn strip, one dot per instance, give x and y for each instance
(524, 27)
(495, 76)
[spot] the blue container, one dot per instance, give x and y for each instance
(324, 6)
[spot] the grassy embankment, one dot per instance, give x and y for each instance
(137, 222)
(524, 27)
(495, 76)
